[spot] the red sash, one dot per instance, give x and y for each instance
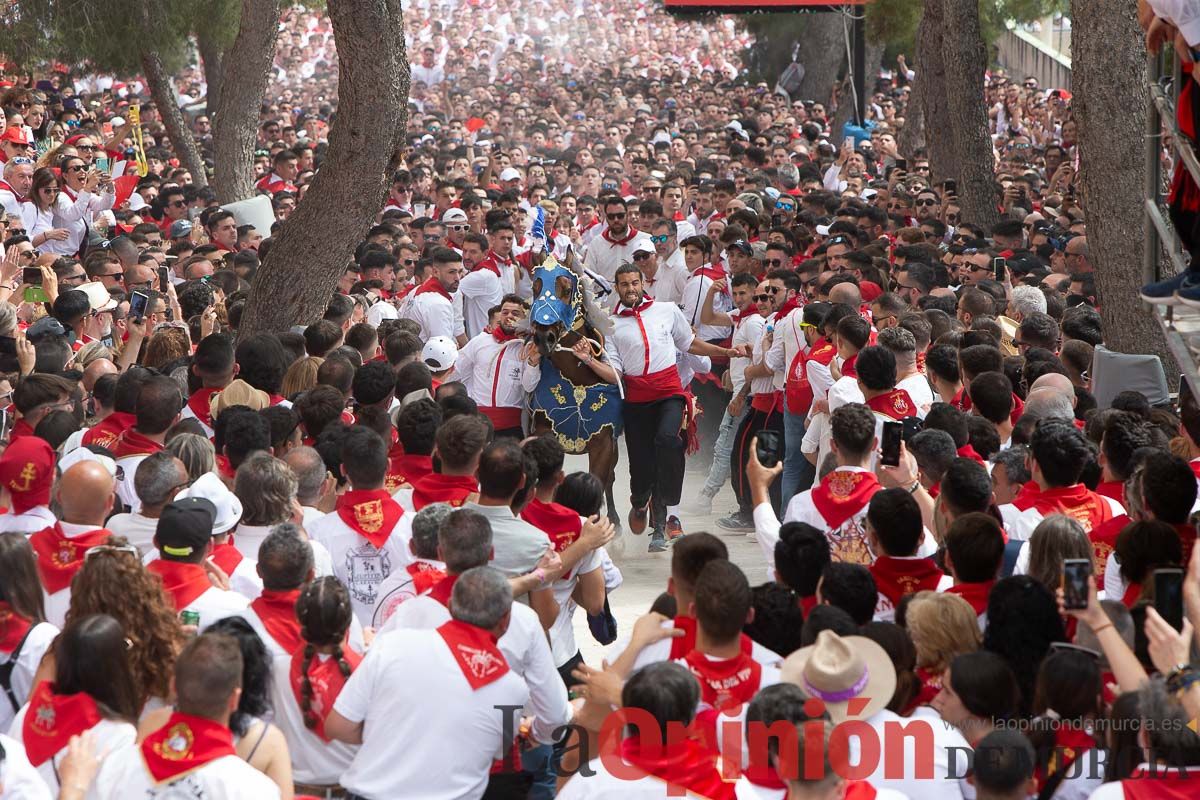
(442, 590)
(968, 451)
(326, 680)
(1162, 783)
(133, 443)
(475, 651)
(277, 611)
(725, 683)
(371, 513)
(654, 386)
(52, 719)
(896, 404)
(438, 488)
(185, 744)
(404, 468)
(974, 593)
(841, 494)
(60, 557)
(199, 404)
(106, 431)
(686, 764)
(1104, 541)
(502, 417)
(424, 576)
(13, 628)
(1070, 742)
(1077, 502)
(558, 522)
(432, 284)
(227, 557)
(897, 577)
(183, 581)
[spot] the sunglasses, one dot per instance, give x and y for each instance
(838, 240)
(177, 204)
(784, 207)
(641, 256)
(775, 262)
(459, 227)
(660, 238)
(87, 148)
(110, 548)
(774, 289)
(762, 298)
(77, 168)
(927, 202)
(408, 262)
(622, 215)
(22, 160)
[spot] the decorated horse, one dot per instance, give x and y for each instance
(571, 401)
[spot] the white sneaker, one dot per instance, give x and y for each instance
(704, 503)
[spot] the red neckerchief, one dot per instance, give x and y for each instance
(685, 764)
(20, 428)
(183, 581)
(225, 469)
(921, 362)
(931, 684)
(561, 524)
(1027, 496)
(500, 336)
(475, 651)
(1162, 783)
(199, 404)
(326, 680)
(1070, 742)
(277, 610)
(841, 494)
(1104, 541)
(897, 577)
(788, 307)
(276, 399)
(432, 284)
(371, 513)
(6, 186)
(1077, 502)
(1195, 465)
(405, 468)
(106, 431)
(968, 451)
(629, 234)
(896, 404)
(822, 352)
(637, 310)
(438, 488)
(850, 367)
(764, 775)
(442, 590)
(226, 556)
(974, 593)
(727, 682)
(424, 576)
(859, 790)
(134, 443)
(60, 557)
(52, 719)
(1132, 592)
(1114, 490)
(739, 316)
(711, 272)
(185, 744)
(961, 400)
(488, 262)
(1017, 410)
(682, 645)
(13, 627)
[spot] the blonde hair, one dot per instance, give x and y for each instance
(301, 375)
(195, 451)
(942, 626)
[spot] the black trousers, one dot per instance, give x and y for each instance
(509, 433)
(754, 422)
(656, 449)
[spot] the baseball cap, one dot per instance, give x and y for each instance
(44, 328)
(16, 134)
(742, 246)
(510, 174)
(439, 353)
(27, 470)
(180, 228)
(644, 246)
(454, 215)
(226, 504)
(185, 527)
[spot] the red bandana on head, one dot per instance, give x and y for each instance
(558, 522)
(183, 581)
(475, 651)
(896, 404)
(277, 610)
(52, 719)
(185, 743)
(60, 557)
(371, 513)
(842, 493)
(326, 680)
(438, 488)
(27, 471)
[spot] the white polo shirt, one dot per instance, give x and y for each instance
(123, 775)
(18, 777)
(433, 312)
(426, 732)
(605, 254)
(480, 290)
(666, 334)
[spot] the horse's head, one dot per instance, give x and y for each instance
(555, 304)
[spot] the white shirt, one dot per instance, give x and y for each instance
(357, 563)
(1029, 518)
(747, 331)
(397, 588)
(597, 783)
(248, 538)
(670, 279)
(18, 778)
(948, 745)
(917, 386)
(137, 529)
(667, 334)
(35, 519)
(56, 604)
(661, 651)
(787, 342)
(492, 370)
(562, 631)
(525, 649)
(424, 728)
(123, 775)
(244, 579)
(109, 736)
(433, 312)
(603, 257)
(40, 637)
(217, 604)
(766, 384)
(480, 290)
(694, 292)
(73, 215)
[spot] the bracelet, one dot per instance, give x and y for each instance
(1182, 678)
(540, 574)
(915, 485)
(1105, 626)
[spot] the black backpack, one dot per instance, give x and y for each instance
(6, 671)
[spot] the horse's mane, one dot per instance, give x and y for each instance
(594, 314)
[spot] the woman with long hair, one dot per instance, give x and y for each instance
(92, 690)
(979, 691)
(25, 636)
(80, 183)
(943, 627)
(1055, 538)
(1066, 705)
(1023, 621)
(53, 208)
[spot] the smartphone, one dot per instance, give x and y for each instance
(952, 186)
(138, 303)
(768, 448)
(1168, 596)
(1000, 267)
(902, 164)
(164, 278)
(102, 163)
(1075, 574)
(419, 209)
(893, 435)
(31, 276)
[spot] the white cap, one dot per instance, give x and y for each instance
(81, 454)
(644, 246)
(510, 174)
(454, 215)
(212, 489)
(822, 230)
(439, 353)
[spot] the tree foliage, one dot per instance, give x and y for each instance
(895, 21)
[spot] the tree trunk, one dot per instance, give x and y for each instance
(301, 270)
(235, 123)
(822, 52)
(1108, 76)
(912, 135)
(965, 59)
(931, 75)
(163, 91)
(211, 56)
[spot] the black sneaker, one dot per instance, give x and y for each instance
(737, 521)
(658, 542)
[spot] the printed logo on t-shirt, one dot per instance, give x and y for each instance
(366, 568)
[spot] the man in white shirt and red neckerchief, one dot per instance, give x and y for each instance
(431, 305)
(419, 690)
(490, 365)
(616, 245)
(85, 499)
(641, 352)
(184, 541)
(285, 169)
(423, 573)
(192, 754)
(894, 534)
(482, 285)
(215, 365)
(459, 444)
(704, 211)
(26, 477)
(974, 546)
(697, 251)
(159, 404)
(368, 532)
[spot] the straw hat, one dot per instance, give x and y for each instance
(838, 669)
(238, 393)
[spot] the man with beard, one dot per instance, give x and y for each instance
(482, 286)
(616, 245)
(491, 364)
(432, 306)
